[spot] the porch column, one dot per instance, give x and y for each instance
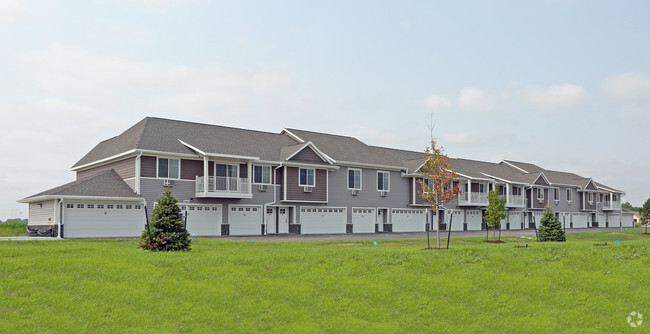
(508, 194)
(250, 176)
(469, 191)
(206, 174)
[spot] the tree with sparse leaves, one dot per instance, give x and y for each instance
(166, 230)
(645, 214)
(438, 179)
(495, 211)
(550, 228)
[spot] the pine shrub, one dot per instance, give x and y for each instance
(550, 228)
(166, 231)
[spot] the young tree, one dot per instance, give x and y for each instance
(166, 231)
(550, 228)
(437, 184)
(645, 214)
(495, 211)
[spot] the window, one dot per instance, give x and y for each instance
(80, 206)
(168, 168)
(516, 191)
(540, 194)
(383, 181)
(482, 188)
(100, 206)
(119, 206)
(262, 174)
(556, 194)
(91, 206)
(129, 206)
(138, 207)
(569, 195)
(354, 179)
(109, 206)
(615, 198)
(590, 197)
(306, 177)
(69, 206)
(429, 185)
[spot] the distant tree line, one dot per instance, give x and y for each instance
(14, 220)
(629, 206)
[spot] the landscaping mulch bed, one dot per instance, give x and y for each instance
(494, 241)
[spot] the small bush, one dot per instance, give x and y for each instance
(166, 231)
(550, 228)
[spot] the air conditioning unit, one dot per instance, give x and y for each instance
(383, 193)
(262, 187)
(307, 189)
(355, 192)
(168, 183)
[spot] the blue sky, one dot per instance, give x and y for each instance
(561, 83)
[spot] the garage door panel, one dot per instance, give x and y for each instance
(203, 220)
(314, 220)
(245, 220)
(102, 220)
(457, 224)
(514, 218)
(579, 220)
(363, 220)
(614, 220)
(408, 220)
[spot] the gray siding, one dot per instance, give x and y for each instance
(296, 192)
(124, 168)
(44, 215)
(307, 154)
(340, 196)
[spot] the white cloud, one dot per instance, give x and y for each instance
(555, 97)
(12, 11)
(456, 138)
(474, 99)
(627, 86)
(437, 102)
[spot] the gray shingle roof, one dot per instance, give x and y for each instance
(106, 184)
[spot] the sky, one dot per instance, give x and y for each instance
(564, 84)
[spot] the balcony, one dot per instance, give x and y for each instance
(223, 187)
(611, 205)
(473, 199)
(515, 200)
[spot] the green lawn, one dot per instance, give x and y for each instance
(112, 286)
(13, 229)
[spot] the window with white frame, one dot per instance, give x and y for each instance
(615, 198)
(383, 181)
(590, 197)
(168, 168)
(306, 177)
(429, 186)
(354, 179)
(540, 194)
(262, 174)
(482, 188)
(556, 194)
(569, 195)
(516, 191)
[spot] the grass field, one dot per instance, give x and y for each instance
(97, 286)
(13, 229)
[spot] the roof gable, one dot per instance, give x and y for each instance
(106, 184)
(542, 180)
(590, 185)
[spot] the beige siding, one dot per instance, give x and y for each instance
(124, 168)
(45, 215)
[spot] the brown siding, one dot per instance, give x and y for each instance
(124, 168)
(148, 166)
(587, 206)
(418, 190)
(191, 168)
(279, 180)
(296, 193)
(307, 154)
(243, 171)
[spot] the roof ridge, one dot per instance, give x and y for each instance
(212, 125)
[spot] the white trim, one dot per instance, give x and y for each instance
(138, 172)
(373, 166)
(75, 197)
(299, 201)
(513, 166)
(270, 174)
(347, 181)
(147, 152)
(315, 149)
(377, 180)
(541, 174)
(298, 139)
(192, 148)
(304, 165)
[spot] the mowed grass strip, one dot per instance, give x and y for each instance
(13, 229)
(226, 286)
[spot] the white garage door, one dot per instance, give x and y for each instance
(474, 220)
(203, 220)
(408, 220)
(614, 219)
(514, 219)
(602, 220)
(363, 220)
(579, 219)
(245, 219)
(102, 220)
(457, 224)
(628, 220)
(314, 220)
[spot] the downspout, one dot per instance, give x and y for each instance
(58, 232)
(138, 171)
(274, 200)
(526, 206)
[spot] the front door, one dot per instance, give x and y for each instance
(271, 226)
(283, 220)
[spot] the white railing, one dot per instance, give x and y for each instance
(476, 199)
(611, 205)
(223, 185)
(517, 200)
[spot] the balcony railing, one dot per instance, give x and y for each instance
(611, 205)
(473, 198)
(220, 186)
(516, 200)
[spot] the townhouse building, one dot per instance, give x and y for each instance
(232, 181)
